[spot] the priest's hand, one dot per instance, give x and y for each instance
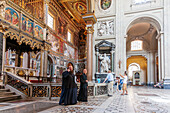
(86, 80)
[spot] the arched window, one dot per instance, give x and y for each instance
(136, 45)
(141, 1)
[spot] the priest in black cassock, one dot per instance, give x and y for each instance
(69, 88)
(83, 87)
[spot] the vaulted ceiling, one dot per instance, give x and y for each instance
(141, 31)
(145, 32)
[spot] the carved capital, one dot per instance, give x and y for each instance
(112, 52)
(89, 17)
(47, 47)
(90, 30)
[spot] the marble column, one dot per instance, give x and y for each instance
(45, 63)
(97, 58)
(159, 60)
(1, 50)
(112, 60)
(165, 45)
(41, 62)
(89, 54)
(90, 19)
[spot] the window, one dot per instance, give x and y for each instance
(69, 36)
(50, 22)
(136, 45)
(141, 1)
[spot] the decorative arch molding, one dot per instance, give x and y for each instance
(52, 58)
(37, 55)
(155, 21)
(136, 64)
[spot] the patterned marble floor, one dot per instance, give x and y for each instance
(139, 100)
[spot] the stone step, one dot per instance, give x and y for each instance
(6, 93)
(9, 98)
(4, 90)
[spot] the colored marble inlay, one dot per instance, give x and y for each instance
(18, 85)
(39, 91)
(55, 91)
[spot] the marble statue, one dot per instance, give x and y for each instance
(105, 63)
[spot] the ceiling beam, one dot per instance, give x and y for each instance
(69, 0)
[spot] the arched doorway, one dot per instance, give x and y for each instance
(142, 40)
(132, 67)
(137, 64)
(50, 66)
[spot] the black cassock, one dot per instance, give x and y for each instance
(83, 88)
(69, 89)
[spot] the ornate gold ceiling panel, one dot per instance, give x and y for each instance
(75, 8)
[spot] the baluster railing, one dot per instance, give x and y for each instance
(18, 83)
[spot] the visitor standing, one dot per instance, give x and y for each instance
(69, 88)
(110, 83)
(83, 87)
(124, 83)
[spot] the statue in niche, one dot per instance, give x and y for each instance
(105, 63)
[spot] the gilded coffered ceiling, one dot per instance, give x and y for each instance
(75, 9)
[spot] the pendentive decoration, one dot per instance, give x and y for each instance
(105, 4)
(80, 7)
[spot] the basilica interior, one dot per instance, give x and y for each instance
(40, 39)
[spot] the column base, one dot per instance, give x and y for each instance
(166, 84)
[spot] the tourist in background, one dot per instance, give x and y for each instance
(110, 83)
(119, 83)
(124, 83)
(83, 87)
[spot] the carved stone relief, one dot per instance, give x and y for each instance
(105, 28)
(2, 9)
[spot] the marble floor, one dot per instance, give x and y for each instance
(140, 99)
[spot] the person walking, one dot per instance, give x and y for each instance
(110, 83)
(124, 83)
(83, 87)
(69, 88)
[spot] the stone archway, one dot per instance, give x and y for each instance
(147, 30)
